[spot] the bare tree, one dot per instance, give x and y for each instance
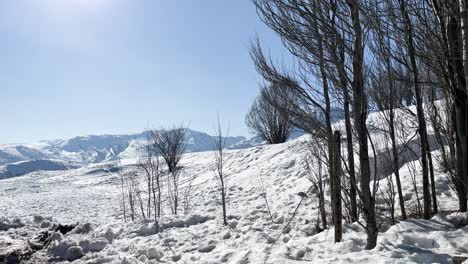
(218, 164)
(266, 120)
(411, 49)
(360, 111)
(188, 195)
(169, 144)
(385, 92)
(309, 30)
(131, 195)
(148, 161)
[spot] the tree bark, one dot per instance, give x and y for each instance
(336, 191)
(360, 116)
(464, 136)
(350, 148)
(419, 109)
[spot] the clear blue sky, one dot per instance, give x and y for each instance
(76, 67)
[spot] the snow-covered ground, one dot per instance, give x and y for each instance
(90, 195)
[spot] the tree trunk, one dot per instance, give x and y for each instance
(336, 191)
(458, 181)
(419, 109)
(464, 136)
(360, 116)
(457, 74)
(323, 212)
(431, 173)
(396, 164)
(223, 200)
(350, 148)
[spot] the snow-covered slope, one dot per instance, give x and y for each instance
(13, 153)
(257, 140)
(254, 176)
(25, 167)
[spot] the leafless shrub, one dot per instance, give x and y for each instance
(414, 181)
(265, 118)
(187, 196)
(263, 194)
(169, 143)
(314, 165)
(388, 191)
(218, 164)
(149, 163)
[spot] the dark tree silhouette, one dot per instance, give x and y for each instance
(265, 118)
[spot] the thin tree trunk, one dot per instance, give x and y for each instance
(419, 109)
(223, 197)
(464, 136)
(433, 186)
(336, 191)
(396, 163)
(360, 116)
(350, 148)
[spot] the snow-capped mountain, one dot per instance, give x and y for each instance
(97, 148)
(58, 154)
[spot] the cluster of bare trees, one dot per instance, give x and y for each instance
(142, 189)
(362, 55)
(142, 197)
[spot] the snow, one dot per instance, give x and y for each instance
(25, 167)
(97, 148)
(89, 195)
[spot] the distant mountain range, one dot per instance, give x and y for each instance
(97, 148)
(61, 154)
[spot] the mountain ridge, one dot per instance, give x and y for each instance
(97, 148)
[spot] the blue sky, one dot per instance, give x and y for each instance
(76, 67)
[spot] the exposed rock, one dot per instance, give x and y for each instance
(74, 253)
(204, 248)
(227, 235)
(64, 229)
(176, 258)
(154, 253)
(97, 244)
(83, 229)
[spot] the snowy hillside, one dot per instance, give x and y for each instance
(25, 167)
(90, 195)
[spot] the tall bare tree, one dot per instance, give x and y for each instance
(309, 29)
(360, 111)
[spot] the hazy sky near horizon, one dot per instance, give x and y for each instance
(77, 67)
